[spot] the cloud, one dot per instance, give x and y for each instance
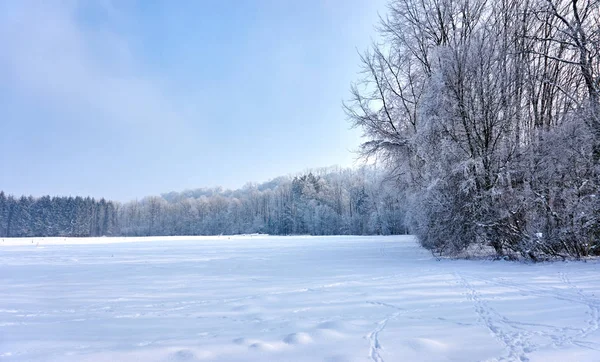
(52, 53)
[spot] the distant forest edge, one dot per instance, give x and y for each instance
(329, 201)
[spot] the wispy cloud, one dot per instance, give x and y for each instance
(53, 54)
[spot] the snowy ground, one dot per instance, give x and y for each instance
(287, 299)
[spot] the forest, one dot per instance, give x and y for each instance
(488, 115)
(331, 201)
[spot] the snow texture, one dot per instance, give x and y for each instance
(260, 298)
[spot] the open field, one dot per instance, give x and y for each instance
(262, 298)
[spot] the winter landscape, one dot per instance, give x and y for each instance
(263, 298)
(282, 181)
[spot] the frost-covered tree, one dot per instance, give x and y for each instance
(487, 115)
(317, 202)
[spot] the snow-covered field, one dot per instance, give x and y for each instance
(287, 299)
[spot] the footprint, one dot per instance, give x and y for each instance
(298, 338)
(183, 355)
(242, 341)
(261, 346)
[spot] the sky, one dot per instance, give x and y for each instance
(127, 98)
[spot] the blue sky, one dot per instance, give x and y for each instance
(124, 99)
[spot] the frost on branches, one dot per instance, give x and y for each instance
(488, 114)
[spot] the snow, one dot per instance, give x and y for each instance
(261, 298)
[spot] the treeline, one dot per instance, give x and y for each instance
(57, 216)
(322, 202)
(489, 114)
